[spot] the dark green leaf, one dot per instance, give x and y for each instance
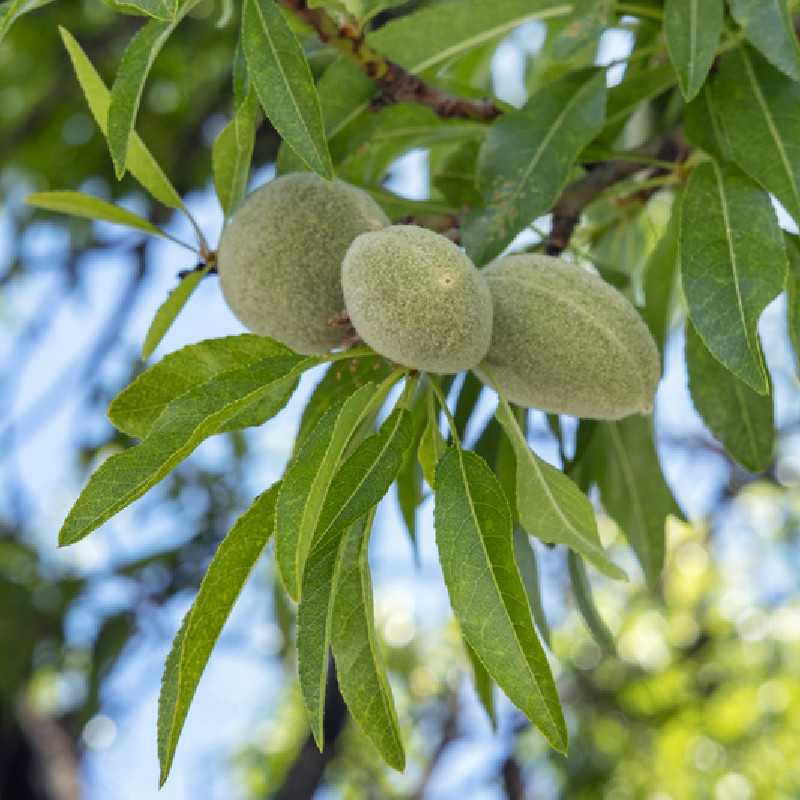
(158, 9)
(793, 296)
(758, 106)
(527, 158)
(283, 82)
(529, 571)
(232, 153)
(633, 489)
(356, 650)
(12, 10)
(169, 310)
(484, 685)
(741, 419)
(702, 124)
(476, 549)
(139, 405)
(582, 590)
(551, 507)
(733, 264)
(358, 486)
(221, 586)
(693, 28)
(307, 480)
(183, 425)
(626, 96)
(769, 26)
(126, 92)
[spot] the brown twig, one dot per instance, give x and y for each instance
(601, 176)
(396, 84)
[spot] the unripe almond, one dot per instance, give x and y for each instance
(566, 342)
(415, 298)
(281, 254)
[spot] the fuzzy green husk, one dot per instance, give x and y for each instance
(415, 298)
(566, 342)
(280, 258)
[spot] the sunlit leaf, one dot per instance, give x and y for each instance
(232, 153)
(12, 10)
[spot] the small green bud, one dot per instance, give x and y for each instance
(280, 258)
(415, 298)
(566, 342)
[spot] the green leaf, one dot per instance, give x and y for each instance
(358, 486)
(232, 153)
(733, 264)
(484, 686)
(660, 280)
(626, 96)
(158, 9)
(223, 582)
(758, 106)
(739, 418)
(551, 507)
(436, 34)
(140, 162)
(126, 91)
(769, 26)
(12, 10)
(529, 571)
(134, 410)
(359, 665)
(84, 205)
(170, 308)
(626, 468)
(183, 425)
(476, 550)
(283, 82)
(692, 28)
(793, 296)
(582, 590)
(308, 479)
(527, 159)
(702, 124)
(432, 445)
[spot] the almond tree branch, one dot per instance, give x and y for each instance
(397, 85)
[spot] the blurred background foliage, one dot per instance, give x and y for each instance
(702, 697)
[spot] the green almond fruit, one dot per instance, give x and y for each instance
(566, 342)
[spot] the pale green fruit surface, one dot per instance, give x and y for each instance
(415, 298)
(566, 342)
(280, 258)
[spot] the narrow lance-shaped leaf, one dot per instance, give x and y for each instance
(84, 205)
(360, 666)
(527, 158)
(733, 264)
(476, 550)
(307, 480)
(741, 419)
(758, 112)
(551, 507)
(134, 410)
(582, 590)
(232, 153)
(693, 28)
(624, 98)
(529, 571)
(126, 91)
(283, 82)
(170, 308)
(158, 9)
(185, 423)
(360, 483)
(221, 586)
(703, 126)
(140, 161)
(624, 463)
(769, 26)
(431, 444)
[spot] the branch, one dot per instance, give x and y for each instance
(396, 83)
(513, 782)
(578, 195)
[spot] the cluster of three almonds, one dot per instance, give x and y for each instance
(545, 333)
